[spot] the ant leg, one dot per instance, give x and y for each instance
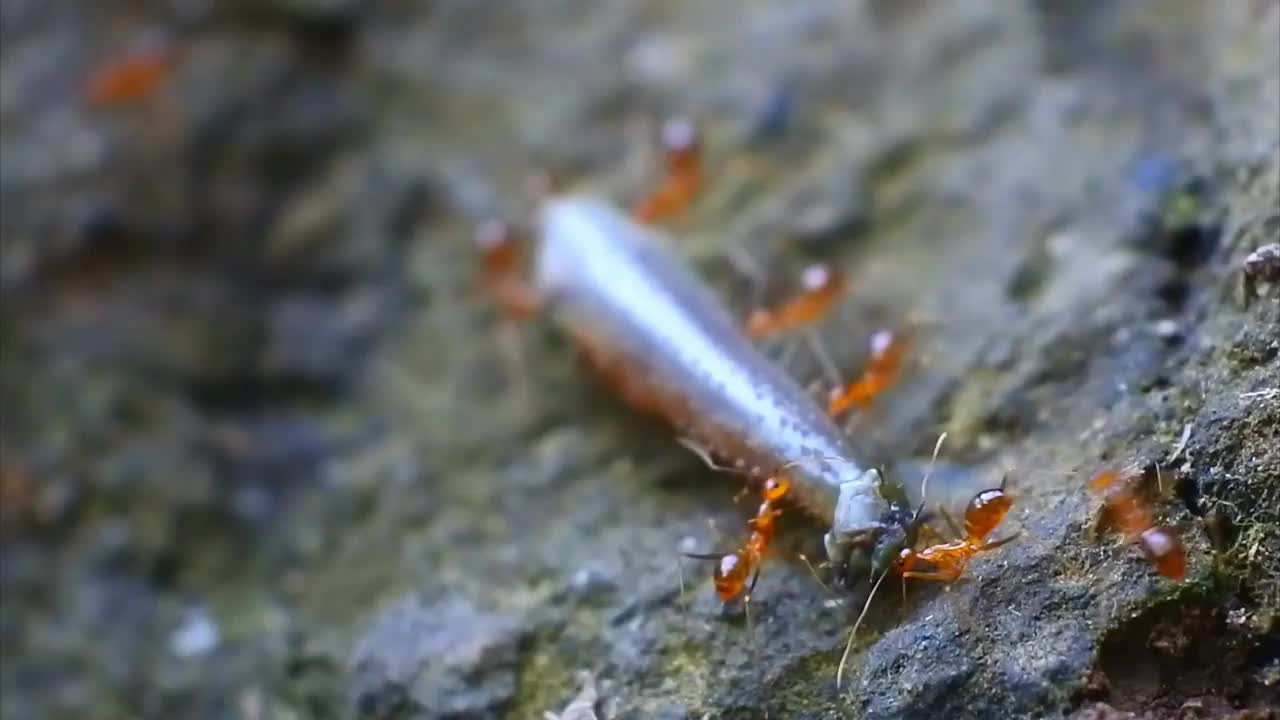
(751, 628)
(949, 575)
(752, 585)
(951, 523)
(812, 570)
(993, 544)
(501, 268)
(510, 345)
(684, 602)
(683, 179)
(703, 556)
(824, 359)
(745, 264)
(945, 573)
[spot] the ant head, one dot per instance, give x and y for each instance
(494, 236)
(681, 139)
(775, 488)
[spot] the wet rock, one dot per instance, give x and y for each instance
(444, 659)
(319, 339)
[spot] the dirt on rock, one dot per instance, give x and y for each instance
(268, 451)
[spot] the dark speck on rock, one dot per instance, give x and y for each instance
(320, 339)
(775, 114)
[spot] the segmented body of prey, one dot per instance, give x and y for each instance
(664, 340)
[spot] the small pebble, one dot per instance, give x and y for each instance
(196, 636)
(1169, 330)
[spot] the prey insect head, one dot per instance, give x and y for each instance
(901, 528)
(865, 538)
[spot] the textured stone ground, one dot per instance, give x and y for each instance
(269, 454)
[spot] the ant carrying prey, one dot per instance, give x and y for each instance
(946, 561)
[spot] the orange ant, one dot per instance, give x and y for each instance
(733, 569)
(821, 286)
(129, 77)
(947, 561)
(888, 350)
(1126, 512)
(683, 179)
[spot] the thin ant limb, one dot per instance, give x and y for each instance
(511, 349)
(751, 633)
(703, 556)
(951, 523)
(824, 359)
(744, 263)
(683, 179)
(813, 571)
(684, 602)
(501, 275)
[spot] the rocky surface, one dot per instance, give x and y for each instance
(268, 453)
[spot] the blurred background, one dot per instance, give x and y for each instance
(269, 452)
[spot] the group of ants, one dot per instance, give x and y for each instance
(821, 286)
(134, 76)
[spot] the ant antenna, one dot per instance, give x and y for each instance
(924, 482)
(848, 646)
(814, 572)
